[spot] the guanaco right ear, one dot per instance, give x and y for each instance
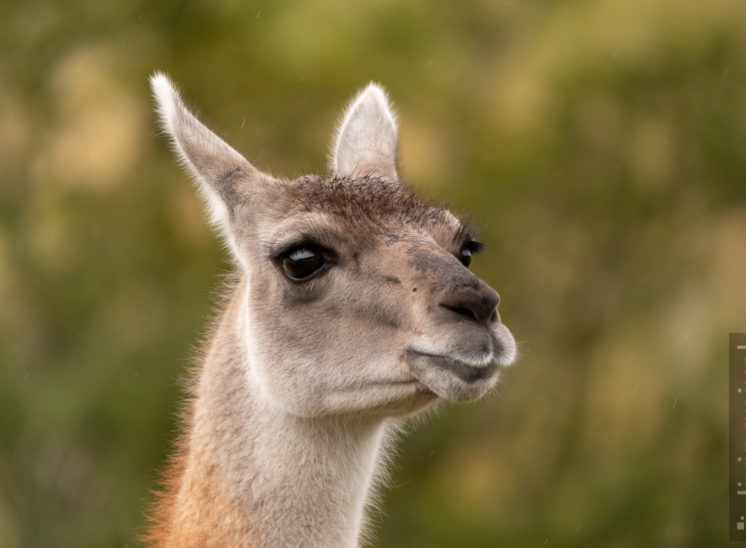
(222, 174)
(366, 141)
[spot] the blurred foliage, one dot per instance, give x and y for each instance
(599, 143)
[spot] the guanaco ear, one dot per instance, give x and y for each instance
(222, 174)
(366, 140)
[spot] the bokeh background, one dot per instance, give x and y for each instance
(599, 145)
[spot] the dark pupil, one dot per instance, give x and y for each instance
(465, 257)
(302, 263)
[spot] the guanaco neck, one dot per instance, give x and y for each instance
(253, 475)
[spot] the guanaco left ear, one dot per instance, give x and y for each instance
(224, 177)
(366, 141)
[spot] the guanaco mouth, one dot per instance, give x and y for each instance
(464, 371)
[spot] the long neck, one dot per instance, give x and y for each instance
(253, 475)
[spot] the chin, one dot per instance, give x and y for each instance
(458, 391)
(422, 400)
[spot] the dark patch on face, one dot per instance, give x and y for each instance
(429, 263)
(391, 280)
(440, 268)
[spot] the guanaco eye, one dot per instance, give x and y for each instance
(467, 251)
(302, 263)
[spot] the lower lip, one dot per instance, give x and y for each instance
(472, 374)
(465, 372)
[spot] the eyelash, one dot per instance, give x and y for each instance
(473, 246)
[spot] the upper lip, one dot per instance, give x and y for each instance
(463, 370)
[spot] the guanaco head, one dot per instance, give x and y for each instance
(358, 296)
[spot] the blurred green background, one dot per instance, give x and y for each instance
(600, 145)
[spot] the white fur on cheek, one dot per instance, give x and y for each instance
(255, 375)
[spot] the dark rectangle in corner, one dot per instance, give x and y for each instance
(737, 436)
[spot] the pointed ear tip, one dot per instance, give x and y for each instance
(159, 80)
(377, 90)
(162, 86)
(377, 93)
(165, 93)
(375, 86)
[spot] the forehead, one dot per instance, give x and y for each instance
(369, 205)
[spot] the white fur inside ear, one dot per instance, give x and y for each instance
(172, 113)
(366, 141)
(189, 136)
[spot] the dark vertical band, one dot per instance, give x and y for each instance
(737, 436)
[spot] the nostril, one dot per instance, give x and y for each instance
(461, 310)
(476, 306)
